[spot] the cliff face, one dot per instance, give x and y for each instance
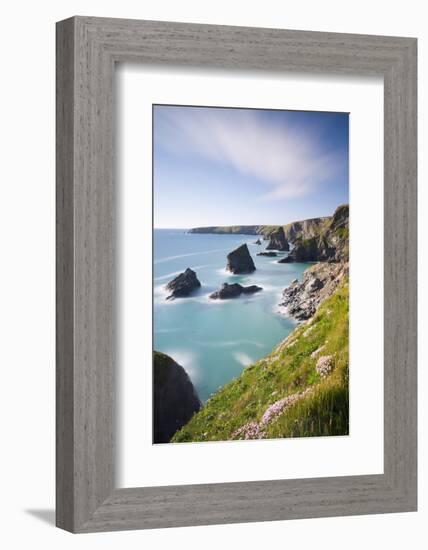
(277, 240)
(329, 244)
(304, 229)
(174, 398)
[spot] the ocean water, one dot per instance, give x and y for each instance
(214, 340)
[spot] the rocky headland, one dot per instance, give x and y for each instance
(293, 231)
(183, 285)
(175, 400)
(233, 291)
(329, 244)
(227, 230)
(240, 261)
(319, 282)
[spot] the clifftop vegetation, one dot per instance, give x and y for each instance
(300, 389)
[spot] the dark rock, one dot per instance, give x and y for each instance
(174, 398)
(233, 291)
(286, 260)
(258, 241)
(240, 261)
(277, 240)
(183, 284)
(314, 249)
(268, 254)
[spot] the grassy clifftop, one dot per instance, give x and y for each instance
(298, 390)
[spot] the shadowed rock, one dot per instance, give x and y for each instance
(240, 261)
(175, 400)
(277, 240)
(331, 244)
(268, 254)
(233, 291)
(258, 241)
(183, 284)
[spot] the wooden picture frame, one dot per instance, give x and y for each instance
(87, 50)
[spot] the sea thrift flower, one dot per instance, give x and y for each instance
(325, 365)
(255, 430)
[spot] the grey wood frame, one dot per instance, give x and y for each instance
(87, 50)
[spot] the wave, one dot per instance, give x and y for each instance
(175, 273)
(187, 359)
(243, 358)
(229, 343)
(169, 258)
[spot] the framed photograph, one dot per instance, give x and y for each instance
(236, 274)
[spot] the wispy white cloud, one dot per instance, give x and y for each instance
(291, 161)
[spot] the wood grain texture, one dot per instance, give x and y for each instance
(87, 49)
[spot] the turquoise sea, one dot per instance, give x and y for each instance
(214, 340)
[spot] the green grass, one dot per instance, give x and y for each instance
(287, 370)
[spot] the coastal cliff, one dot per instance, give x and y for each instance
(228, 230)
(329, 243)
(304, 229)
(301, 388)
(174, 397)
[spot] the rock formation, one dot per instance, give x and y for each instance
(277, 240)
(268, 254)
(240, 261)
(183, 284)
(174, 398)
(304, 229)
(318, 283)
(331, 244)
(233, 291)
(258, 241)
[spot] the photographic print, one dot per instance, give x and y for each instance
(250, 274)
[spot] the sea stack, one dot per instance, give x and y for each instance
(183, 284)
(239, 261)
(175, 398)
(233, 291)
(277, 240)
(269, 254)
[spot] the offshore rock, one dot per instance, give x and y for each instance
(240, 261)
(183, 284)
(233, 291)
(268, 254)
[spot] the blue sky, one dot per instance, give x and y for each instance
(216, 166)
